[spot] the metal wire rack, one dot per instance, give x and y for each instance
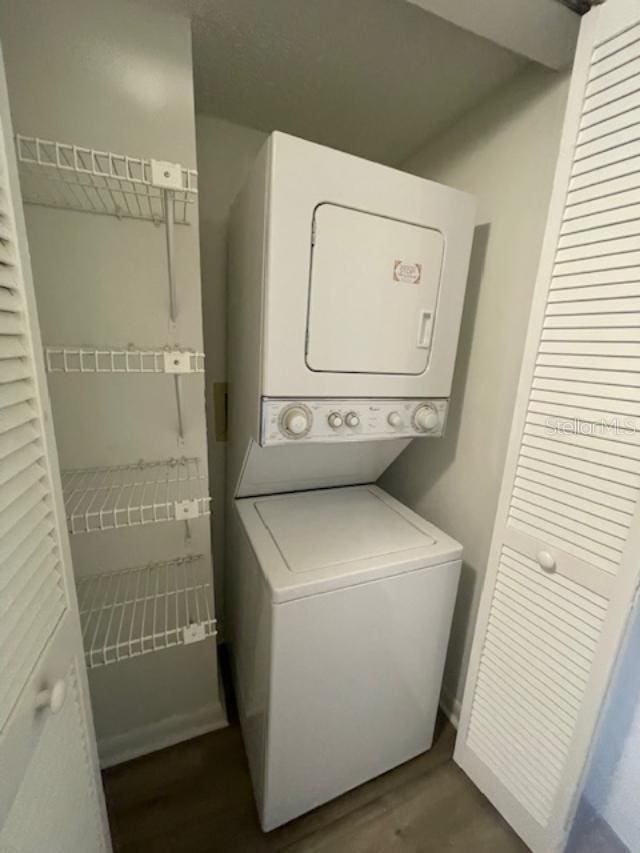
(129, 495)
(62, 175)
(144, 609)
(92, 360)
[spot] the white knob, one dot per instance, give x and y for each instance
(546, 561)
(52, 699)
(335, 420)
(395, 419)
(426, 418)
(352, 419)
(295, 420)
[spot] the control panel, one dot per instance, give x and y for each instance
(339, 420)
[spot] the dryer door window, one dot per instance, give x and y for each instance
(373, 293)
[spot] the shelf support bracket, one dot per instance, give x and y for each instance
(171, 260)
(178, 390)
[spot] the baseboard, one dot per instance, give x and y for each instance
(167, 732)
(450, 707)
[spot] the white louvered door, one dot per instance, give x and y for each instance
(50, 793)
(565, 556)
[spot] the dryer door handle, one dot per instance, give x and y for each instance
(425, 327)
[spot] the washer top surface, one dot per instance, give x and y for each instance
(330, 528)
(311, 542)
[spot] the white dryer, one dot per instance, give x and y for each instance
(343, 601)
(346, 285)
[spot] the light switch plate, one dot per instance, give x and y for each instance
(220, 411)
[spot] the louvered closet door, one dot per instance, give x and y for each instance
(50, 795)
(565, 555)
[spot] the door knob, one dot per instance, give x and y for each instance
(52, 698)
(546, 561)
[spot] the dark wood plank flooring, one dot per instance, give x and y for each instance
(197, 797)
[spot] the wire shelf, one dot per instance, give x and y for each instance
(130, 495)
(144, 609)
(91, 360)
(61, 175)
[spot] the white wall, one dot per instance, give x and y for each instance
(613, 781)
(226, 152)
(504, 152)
(118, 76)
(545, 31)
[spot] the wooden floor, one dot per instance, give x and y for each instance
(197, 797)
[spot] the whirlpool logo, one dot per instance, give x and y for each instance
(407, 273)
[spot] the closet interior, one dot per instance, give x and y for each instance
(318, 413)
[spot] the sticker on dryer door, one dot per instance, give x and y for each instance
(407, 273)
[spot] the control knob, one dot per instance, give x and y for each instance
(394, 419)
(352, 419)
(426, 418)
(335, 420)
(295, 421)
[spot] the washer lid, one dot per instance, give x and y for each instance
(330, 528)
(312, 542)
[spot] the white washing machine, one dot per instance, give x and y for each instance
(346, 285)
(344, 600)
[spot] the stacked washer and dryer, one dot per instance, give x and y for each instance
(346, 286)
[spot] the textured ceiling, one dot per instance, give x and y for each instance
(373, 77)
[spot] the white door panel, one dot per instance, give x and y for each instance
(53, 810)
(20, 735)
(50, 793)
(373, 293)
(565, 557)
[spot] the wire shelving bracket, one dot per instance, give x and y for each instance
(112, 360)
(130, 495)
(91, 360)
(63, 175)
(144, 609)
